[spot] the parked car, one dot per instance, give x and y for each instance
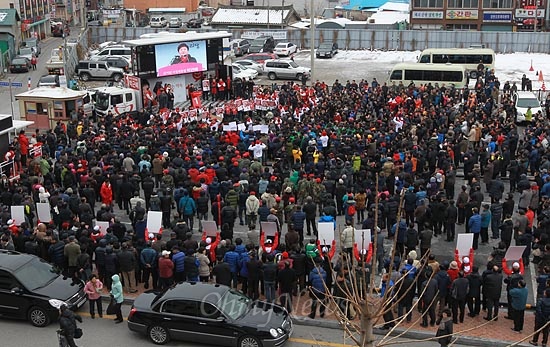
(26, 52)
(34, 44)
(240, 46)
(158, 22)
(262, 44)
(113, 50)
(93, 69)
(326, 50)
(175, 22)
(20, 64)
(209, 314)
(522, 102)
(95, 23)
(49, 81)
(240, 71)
(251, 64)
(116, 61)
(194, 23)
(32, 289)
(285, 69)
(260, 57)
(285, 48)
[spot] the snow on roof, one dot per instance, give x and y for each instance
(249, 16)
(305, 22)
(388, 17)
(395, 6)
(52, 93)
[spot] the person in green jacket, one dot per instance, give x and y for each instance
(519, 300)
(117, 294)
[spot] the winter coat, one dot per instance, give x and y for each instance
(460, 288)
(166, 268)
(126, 260)
(67, 322)
(475, 285)
(93, 292)
(347, 237)
(542, 314)
(317, 280)
(519, 298)
(187, 206)
(232, 258)
(492, 284)
(116, 289)
(178, 260)
(475, 223)
(298, 219)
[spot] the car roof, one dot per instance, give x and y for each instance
(12, 260)
(47, 78)
(205, 292)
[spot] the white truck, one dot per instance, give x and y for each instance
(55, 64)
(118, 100)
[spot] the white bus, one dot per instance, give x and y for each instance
(442, 74)
(469, 57)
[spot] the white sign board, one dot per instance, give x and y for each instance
(362, 238)
(269, 228)
(103, 226)
(43, 212)
(463, 243)
(514, 253)
(18, 214)
(209, 227)
(326, 233)
(154, 221)
(277, 35)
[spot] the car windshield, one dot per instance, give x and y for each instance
(102, 101)
(236, 69)
(25, 51)
(293, 64)
(234, 304)
(325, 46)
(525, 103)
(36, 274)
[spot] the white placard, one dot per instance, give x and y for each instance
(514, 253)
(209, 227)
(43, 212)
(18, 214)
(103, 226)
(326, 233)
(154, 221)
(362, 238)
(463, 243)
(241, 127)
(269, 228)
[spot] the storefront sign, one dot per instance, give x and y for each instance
(427, 14)
(525, 13)
(497, 17)
(462, 14)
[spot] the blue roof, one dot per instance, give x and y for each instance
(365, 4)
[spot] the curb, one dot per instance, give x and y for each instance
(411, 334)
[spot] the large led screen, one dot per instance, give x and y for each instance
(180, 58)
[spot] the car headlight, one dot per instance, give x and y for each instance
(273, 332)
(56, 303)
(280, 331)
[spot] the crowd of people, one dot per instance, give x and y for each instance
(382, 157)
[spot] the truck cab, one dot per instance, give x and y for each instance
(118, 100)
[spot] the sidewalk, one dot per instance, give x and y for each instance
(494, 334)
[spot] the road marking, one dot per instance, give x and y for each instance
(317, 343)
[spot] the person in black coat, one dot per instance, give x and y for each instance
(254, 267)
(405, 293)
(542, 317)
(492, 288)
(430, 289)
(451, 215)
(459, 291)
(67, 323)
(474, 295)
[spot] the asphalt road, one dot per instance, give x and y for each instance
(104, 332)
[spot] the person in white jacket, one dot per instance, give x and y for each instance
(252, 205)
(257, 150)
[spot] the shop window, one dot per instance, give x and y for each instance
(498, 4)
(428, 3)
(463, 3)
(41, 108)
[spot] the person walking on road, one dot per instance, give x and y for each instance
(67, 323)
(117, 293)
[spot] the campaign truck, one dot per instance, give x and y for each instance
(118, 100)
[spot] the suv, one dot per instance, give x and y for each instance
(523, 101)
(158, 22)
(240, 46)
(278, 68)
(262, 44)
(114, 50)
(33, 289)
(90, 69)
(116, 61)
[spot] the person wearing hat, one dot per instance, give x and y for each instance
(474, 224)
(252, 205)
(148, 262)
(166, 270)
(518, 297)
(512, 281)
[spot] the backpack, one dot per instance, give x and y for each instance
(351, 210)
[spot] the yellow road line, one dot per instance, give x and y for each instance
(87, 314)
(317, 343)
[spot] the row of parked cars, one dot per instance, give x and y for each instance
(250, 66)
(174, 22)
(266, 44)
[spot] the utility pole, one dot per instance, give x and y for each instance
(283, 15)
(312, 39)
(11, 98)
(268, 10)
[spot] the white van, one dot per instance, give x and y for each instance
(118, 100)
(523, 101)
(158, 22)
(417, 73)
(469, 57)
(114, 51)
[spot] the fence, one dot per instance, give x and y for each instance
(74, 52)
(356, 39)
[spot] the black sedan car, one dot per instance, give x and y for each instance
(326, 50)
(209, 314)
(20, 64)
(32, 289)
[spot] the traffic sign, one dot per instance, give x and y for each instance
(13, 84)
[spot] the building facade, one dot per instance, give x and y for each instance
(34, 14)
(481, 15)
(143, 5)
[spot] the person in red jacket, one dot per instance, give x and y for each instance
(23, 147)
(106, 193)
(166, 270)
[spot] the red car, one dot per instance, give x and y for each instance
(260, 58)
